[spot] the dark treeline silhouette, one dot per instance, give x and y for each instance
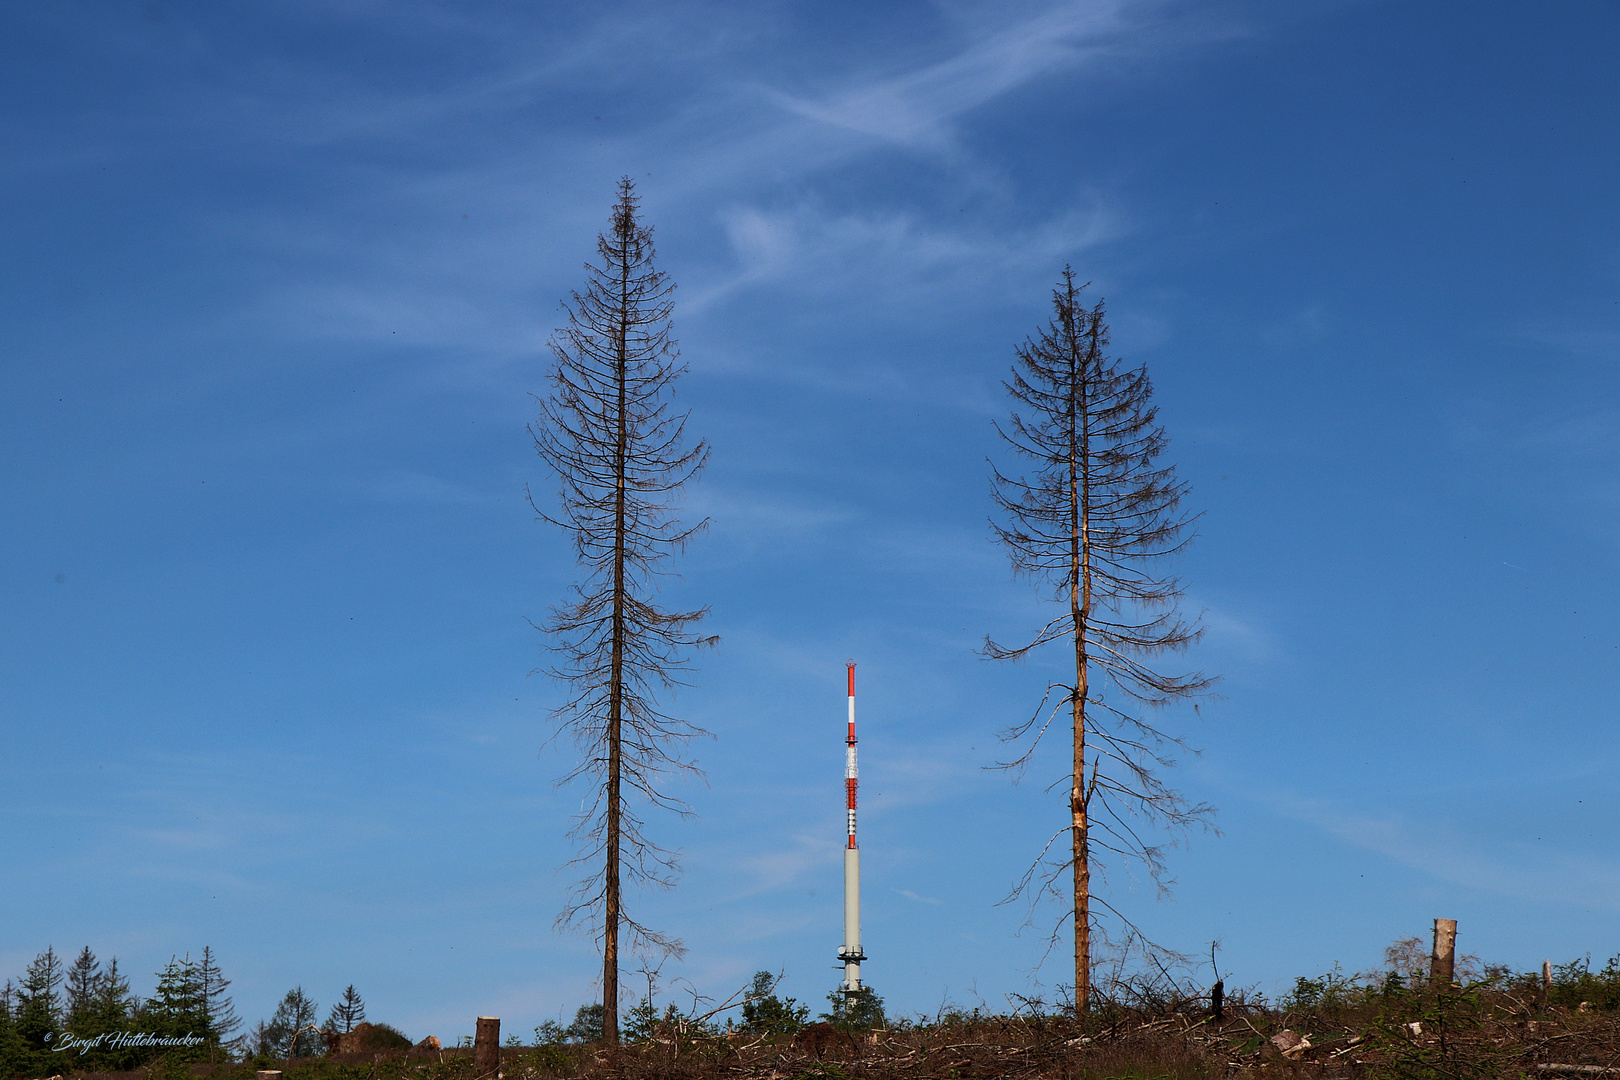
(83, 1017)
(61, 1019)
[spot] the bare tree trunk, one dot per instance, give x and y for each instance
(1080, 605)
(487, 1047)
(1079, 825)
(1443, 962)
(610, 913)
(1082, 864)
(610, 939)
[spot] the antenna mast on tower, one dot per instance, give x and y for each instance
(851, 953)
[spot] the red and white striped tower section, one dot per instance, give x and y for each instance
(851, 953)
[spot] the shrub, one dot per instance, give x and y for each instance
(1575, 983)
(861, 1011)
(766, 1014)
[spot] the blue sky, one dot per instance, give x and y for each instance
(277, 287)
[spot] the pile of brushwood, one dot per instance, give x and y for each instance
(1325, 1029)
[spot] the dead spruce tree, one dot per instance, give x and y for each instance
(607, 430)
(1095, 518)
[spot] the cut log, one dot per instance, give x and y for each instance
(487, 1046)
(1443, 961)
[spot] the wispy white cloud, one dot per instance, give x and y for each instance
(1564, 451)
(879, 257)
(923, 776)
(436, 279)
(916, 108)
(1244, 634)
(1439, 848)
(763, 516)
(909, 895)
(1302, 329)
(785, 867)
(408, 486)
(775, 923)
(196, 840)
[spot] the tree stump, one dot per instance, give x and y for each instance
(1443, 962)
(487, 1046)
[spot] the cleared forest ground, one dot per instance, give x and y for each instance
(1403, 1035)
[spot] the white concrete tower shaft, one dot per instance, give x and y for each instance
(851, 953)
